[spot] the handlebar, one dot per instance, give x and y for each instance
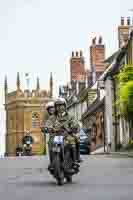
(56, 130)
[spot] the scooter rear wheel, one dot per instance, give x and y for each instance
(69, 179)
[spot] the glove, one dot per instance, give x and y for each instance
(69, 130)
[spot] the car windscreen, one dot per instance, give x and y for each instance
(82, 133)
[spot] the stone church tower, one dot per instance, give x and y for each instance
(25, 110)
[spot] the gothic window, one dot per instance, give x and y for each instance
(35, 120)
(11, 122)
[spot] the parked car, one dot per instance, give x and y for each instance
(84, 142)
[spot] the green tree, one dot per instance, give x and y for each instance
(125, 78)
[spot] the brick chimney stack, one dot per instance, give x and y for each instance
(97, 57)
(123, 31)
(77, 66)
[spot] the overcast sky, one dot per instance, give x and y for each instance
(38, 36)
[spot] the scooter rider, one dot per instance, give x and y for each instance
(27, 139)
(68, 123)
(46, 126)
(19, 150)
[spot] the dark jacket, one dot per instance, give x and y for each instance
(27, 138)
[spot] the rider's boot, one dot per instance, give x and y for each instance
(78, 153)
(50, 167)
(75, 163)
(73, 155)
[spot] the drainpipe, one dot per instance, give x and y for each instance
(115, 113)
(104, 128)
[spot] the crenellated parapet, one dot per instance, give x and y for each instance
(27, 94)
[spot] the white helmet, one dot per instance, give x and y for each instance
(49, 104)
(60, 101)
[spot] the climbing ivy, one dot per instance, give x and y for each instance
(125, 78)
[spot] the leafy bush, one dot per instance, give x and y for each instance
(129, 147)
(118, 146)
(125, 102)
(131, 142)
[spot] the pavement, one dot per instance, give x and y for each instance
(101, 178)
(126, 154)
(100, 151)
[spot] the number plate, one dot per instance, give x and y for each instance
(56, 149)
(28, 142)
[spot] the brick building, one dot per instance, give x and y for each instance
(123, 30)
(77, 66)
(97, 57)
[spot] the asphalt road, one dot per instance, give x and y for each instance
(101, 178)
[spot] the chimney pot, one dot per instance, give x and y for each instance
(122, 21)
(72, 54)
(100, 40)
(94, 41)
(77, 53)
(128, 21)
(81, 53)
